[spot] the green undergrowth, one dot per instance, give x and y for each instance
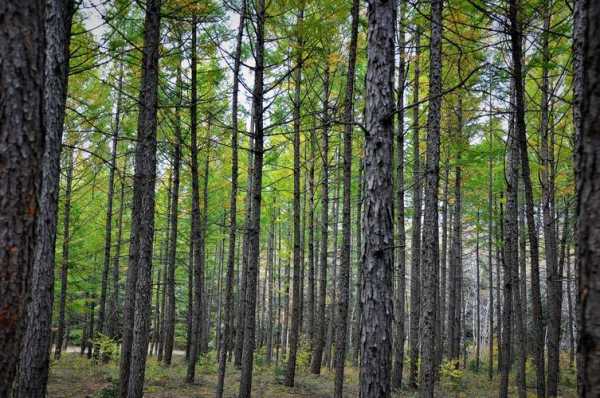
(76, 376)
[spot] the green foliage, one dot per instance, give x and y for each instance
(452, 375)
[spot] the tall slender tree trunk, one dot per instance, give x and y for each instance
(114, 330)
(516, 38)
(229, 299)
(430, 218)
(400, 292)
(311, 237)
(377, 251)
(344, 279)
(319, 336)
(34, 356)
(64, 273)
(139, 275)
(297, 255)
(588, 209)
(172, 255)
(197, 236)
(478, 299)
(255, 200)
(415, 257)
(109, 208)
(489, 240)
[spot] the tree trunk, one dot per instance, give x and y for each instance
(109, 208)
(430, 218)
(114, 329)
(478, 299)
(344, 279)
(588, 206)
(516, 37)
(489, 240)
(64, 273)
(197, 236)
(311, 237)
(296, 292)
(229, 303)
(172, 256)
(319, 336)
(377, 251)
(21, 150)
(400, 258)
(255, 200)
(34, 356)
(415, 277)
(139, 274)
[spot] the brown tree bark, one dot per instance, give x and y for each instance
(139, 274)
(588, 209)
(415, 257)
(34, 356)
(377, 226)
(430, 267)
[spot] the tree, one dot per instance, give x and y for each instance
(255, 201)
(430, 219)
(588, 197)
(21, 150)
(139, 273)
(377, 228)
(34, 357)
(344, 278)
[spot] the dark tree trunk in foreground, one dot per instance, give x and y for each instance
(516, 38)
(34, 357)
(319, 335)
(224, 344)
(297, 255)
(400, 292)
(197, 236)
(490, 254)
(169, 313)
(588, 206)
(344, 276)
(430, 218)
(21, 151)
(255, 202)
(64, 273)
(415, 258)
(377, 252)
(139, 274)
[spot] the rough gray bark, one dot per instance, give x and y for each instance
(169, 313)
(64, 273)
(516, 38)
(21, 150)
(444, 264)
(229, 310)
(415, 257)
(588, 205)
(377, 225)
(430, 265)
(255, 202)
(478, 298)
(400, 292)
(297, 255)
(139, 275)
(34, 357)
(319, 335)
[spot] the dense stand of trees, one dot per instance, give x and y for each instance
(410, 188)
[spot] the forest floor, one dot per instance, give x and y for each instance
(74, 376)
